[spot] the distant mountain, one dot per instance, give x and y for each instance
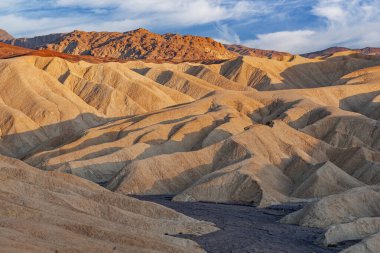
(271, 54)
(137, 44)
(9, 51)
(332, 50)
(4, 35)
(35, 42)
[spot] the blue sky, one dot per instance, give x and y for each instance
(296, 26)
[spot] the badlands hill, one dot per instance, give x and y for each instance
(137, 44)
(53, 212)
(248, 130)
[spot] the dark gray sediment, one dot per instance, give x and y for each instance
(246, 229)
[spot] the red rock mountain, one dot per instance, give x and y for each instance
(140, 44)
(271, 54)
(136, 44)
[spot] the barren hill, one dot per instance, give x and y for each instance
(54, 212)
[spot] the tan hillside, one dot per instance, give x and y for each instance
(326, 180)
(266, 74)
(50, 98)
(222, 140)
(53, 212)
(109, 90)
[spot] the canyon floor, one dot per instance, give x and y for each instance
(248, 229)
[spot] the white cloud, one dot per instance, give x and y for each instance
(170, 13)
(19, 24)
(118, 15)
(283, 41)
(352, 24)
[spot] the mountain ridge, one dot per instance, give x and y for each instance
(131, 45)
(332, 50)
(270, 54)
(142, 44)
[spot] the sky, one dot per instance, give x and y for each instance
(295, 26)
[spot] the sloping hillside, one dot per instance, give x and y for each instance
(53, 212)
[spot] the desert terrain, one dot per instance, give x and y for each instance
(91, 121)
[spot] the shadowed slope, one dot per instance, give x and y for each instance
(53, 212)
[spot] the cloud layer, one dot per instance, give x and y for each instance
(118, 15)
(353, 24)
(295, 26)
